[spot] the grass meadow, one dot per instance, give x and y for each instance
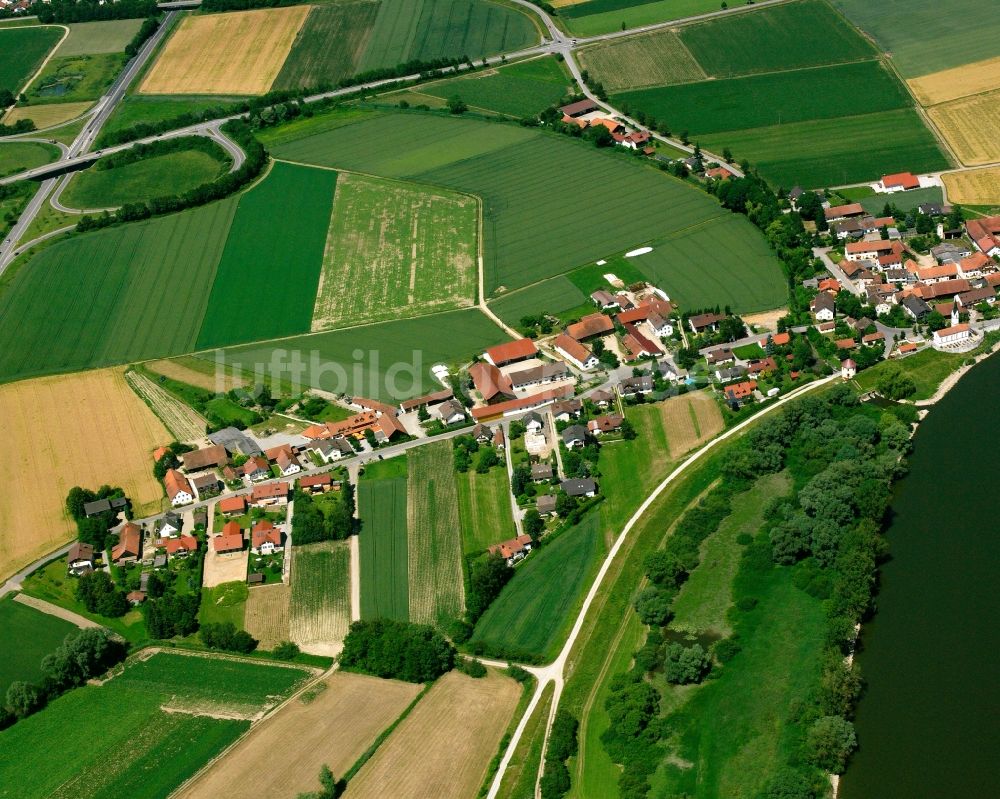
(395, 248)
(776, 98)
(535, 609)
(92, 38)
(384, 555)
(522, 90)
(321, 592)
(388, 361)
(21, 53)
(28, 635)
(226, 602)
(648, 60)
(329, 45)
(266, 281)
(115, 295)
(424, 30)
(115, 740)
(163, 175)
(75, 78)
(18, 156)
(484, 509)
(788, 36)
(831, 152)
(437, 589)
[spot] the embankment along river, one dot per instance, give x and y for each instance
(929, 722)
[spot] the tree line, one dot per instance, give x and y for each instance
(93, 10)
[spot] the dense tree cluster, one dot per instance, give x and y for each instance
(90, 10)
(79, 657)
(311, 524)
(93, 530)
(224, 635)
(562, 745)
(487, 577)
(99, 594)
(149, 26)
(398, 650)
(172, 614)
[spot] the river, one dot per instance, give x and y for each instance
(929, 722)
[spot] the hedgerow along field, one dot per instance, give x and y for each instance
(22, 51)
(484, 508)
(835, 152)
(647, 60)
(384, 555)
(443, 747)
(145, 752)
(321, 594)
(39, 463)
(27, 635)
(516, 172)
(425, 30)
(920, 38)
(111, 296)
(329, 45)
(538, 605)
(522, 89)
(807, 33)
(239, 52)
(333, 723)
(159, 176)
(274, 250)
(390, 361)
(395, 249)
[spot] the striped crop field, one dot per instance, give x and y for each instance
(435, 537)
(321, 593)
(384, 556)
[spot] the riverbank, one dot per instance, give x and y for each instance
(952, 380)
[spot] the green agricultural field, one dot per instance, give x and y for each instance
(266, 281)
(384, 555)
(389, 361)
(594, 17)
(26, 636)
(412, 248)
(151, 109)
(21, 53)
(536, 608)
(789, 36)
(832, 152)
(778, 98)
(116, 740)
(18, 156)
(93, 38)
(75, 78)
(704, 599)
(424, 30)
(112, 296)
(522, 90)
(321, 592)
(484, 509)
(160, 176)
(920, 38)
(329, 46)
(224, 602)
(435, 536)
(555, 296)
(649, 60)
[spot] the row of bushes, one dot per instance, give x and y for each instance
(91, 10)
(256, 159)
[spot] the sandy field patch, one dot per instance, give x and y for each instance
(45, 116)
(766, 319)
(55, 610)
(240, 52)
(950, 84)
(443, 748)
(224, 568)
(267, 613)
(334, 727)
(970, 125)
(978, 187)
(183, 421)
(178, 370)
(87, 429)
(689, 421)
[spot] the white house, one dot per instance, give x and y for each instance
(178, 488)
(661, 327)
(287, 464)
(533, 422)
(848, 369)
(451, 412)
(574, 352)
(822, 307)
(952, 335)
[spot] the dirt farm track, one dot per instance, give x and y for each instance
(85, 429)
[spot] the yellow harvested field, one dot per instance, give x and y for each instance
(564, 3)
(970, 125)
(689, 421)
(240, 52)
(202, 377)
(950, 84)
(267, 614)
(443, 748)
(978, 187)
(45, 116)
(331, 724)
(87, 429)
